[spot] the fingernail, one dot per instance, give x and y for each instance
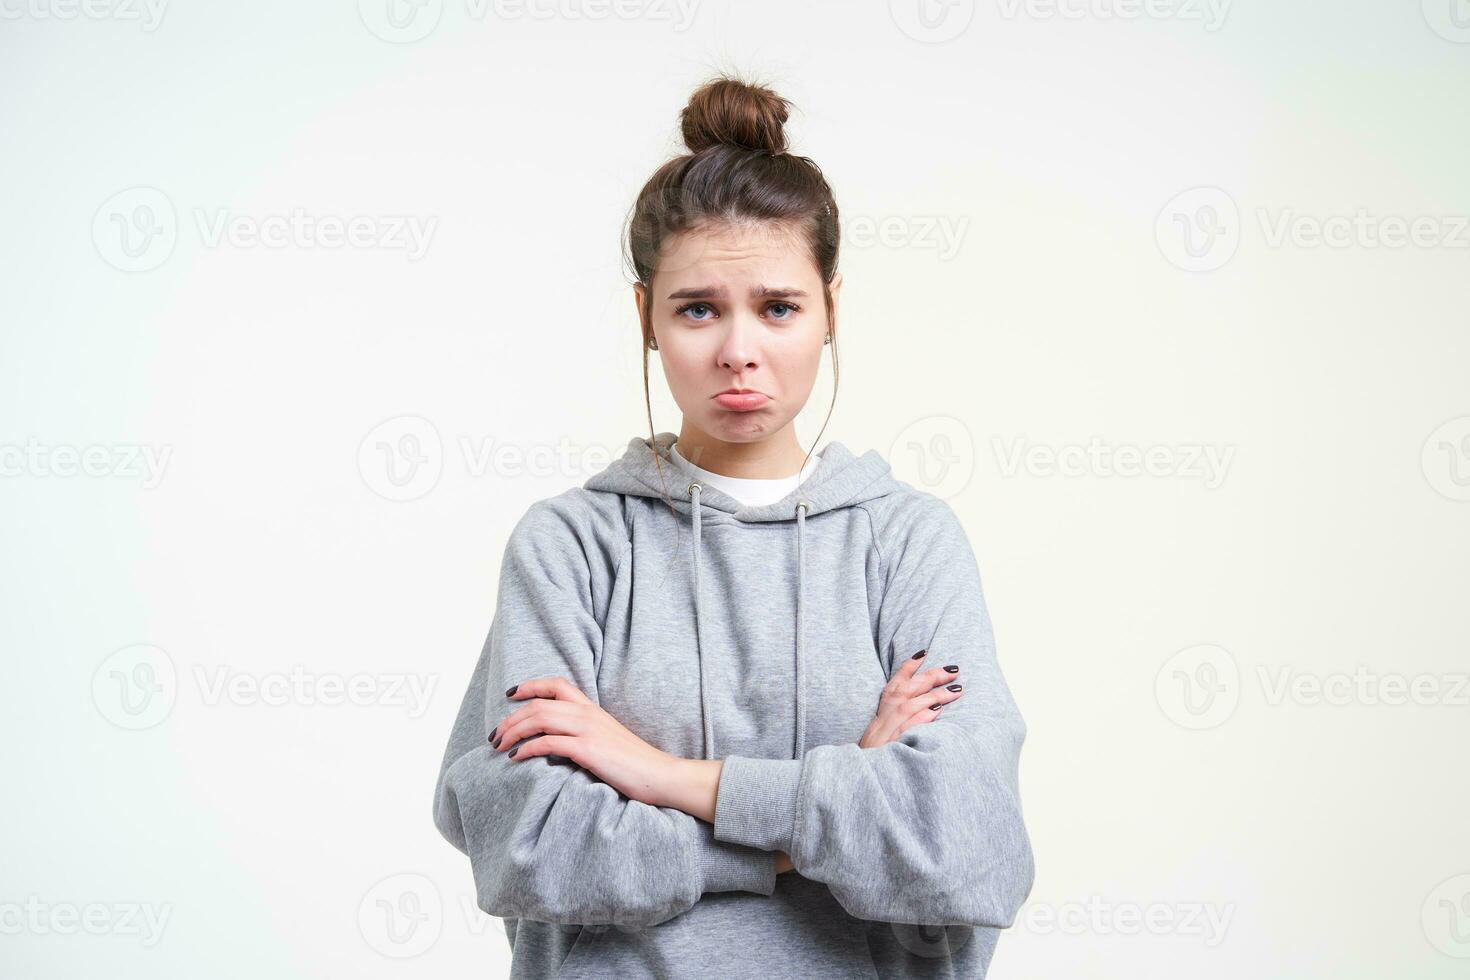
(512, 753)
(494, 733)
(935, 707)
(955, 687)
(511, 690)
(495, 744)
(918, 655)
(952, 668)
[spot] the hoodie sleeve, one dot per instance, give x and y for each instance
(927, 829)
(551, 842)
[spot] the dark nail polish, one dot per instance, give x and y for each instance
(511, 690)
(495, 744)
(495, 733)
(955, 687)
(952, 668)
(918, 655)
(512, 753)
(935, 707)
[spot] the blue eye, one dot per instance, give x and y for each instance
(687, 307)
(792, 307)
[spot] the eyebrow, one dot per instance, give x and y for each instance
(718, 292)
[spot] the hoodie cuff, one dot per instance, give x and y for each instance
(756, 802)
(728, 868)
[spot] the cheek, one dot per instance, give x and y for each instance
(682, 367)
(796, 366)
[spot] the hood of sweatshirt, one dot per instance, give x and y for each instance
(840, 479)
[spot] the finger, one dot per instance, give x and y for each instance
(921, 717)
(898, 684)
(898, 710)
(935, 677)
(898, 692)
(910, 665)
(929, 707)
(540, 716)
(557, 688)
(560, 745)
(930, 704)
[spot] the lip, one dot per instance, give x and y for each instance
(741, 399)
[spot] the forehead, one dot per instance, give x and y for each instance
(735, 252)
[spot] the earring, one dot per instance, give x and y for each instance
(652, 344)
(827, 339)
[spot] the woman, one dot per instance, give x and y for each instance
(739, 715)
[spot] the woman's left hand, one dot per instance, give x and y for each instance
(572, 725)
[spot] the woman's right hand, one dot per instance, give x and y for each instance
(910, 698)
(905, 702)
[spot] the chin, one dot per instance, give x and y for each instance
(742, 426)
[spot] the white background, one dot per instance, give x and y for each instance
(1116, 181)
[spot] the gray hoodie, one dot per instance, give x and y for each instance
(763, 636)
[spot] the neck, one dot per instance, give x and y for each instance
(771, 458)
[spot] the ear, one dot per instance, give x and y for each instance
(835, 289)
(638, 292)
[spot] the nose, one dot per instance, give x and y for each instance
(737, 351)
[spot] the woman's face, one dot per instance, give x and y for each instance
(739, 306)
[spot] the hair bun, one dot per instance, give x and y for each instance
(734, 113)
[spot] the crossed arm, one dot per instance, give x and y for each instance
(919, 822)
(558, 720)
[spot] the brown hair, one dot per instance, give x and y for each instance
(737, 170)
